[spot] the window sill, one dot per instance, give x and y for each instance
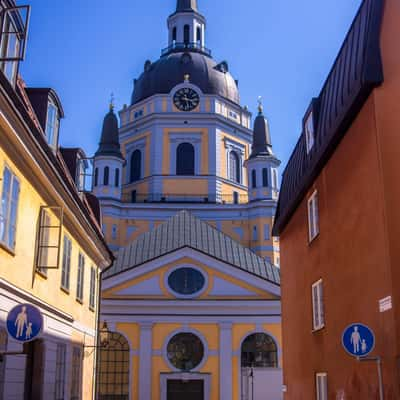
(10, 251)
(80, 301)
(317, 330)
(65, 290)
(41, 274)
(92, 309)
(312, 240)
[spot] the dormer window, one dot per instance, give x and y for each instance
(309, 132)
(52, 124)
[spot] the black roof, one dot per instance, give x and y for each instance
(186, 5)
(262, 145)
(163, 75)
(355, 73)
(185, 230)
(109, 142)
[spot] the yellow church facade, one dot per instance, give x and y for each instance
(188, 188)
(193, 319)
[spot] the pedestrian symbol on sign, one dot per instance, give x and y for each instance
(358, 340)
(24, 323)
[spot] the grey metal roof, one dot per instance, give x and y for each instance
(186, 5)
(185, 230)
(262, 144)
(163, 75)
(109, 142)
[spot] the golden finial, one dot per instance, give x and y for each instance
(186, 77)
(112, 98)
(260, 105)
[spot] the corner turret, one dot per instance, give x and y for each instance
(108, 160)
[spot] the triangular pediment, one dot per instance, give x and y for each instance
(222, 281)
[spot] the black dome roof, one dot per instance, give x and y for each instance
(163, 75)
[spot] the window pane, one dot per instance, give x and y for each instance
(185, 159)
(265, 177)
(136, 166)
(5, 203)
(259, 350)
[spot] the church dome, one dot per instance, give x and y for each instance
(163, 75)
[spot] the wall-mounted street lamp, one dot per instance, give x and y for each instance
(105, 336)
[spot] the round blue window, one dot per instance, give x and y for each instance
(186, 281)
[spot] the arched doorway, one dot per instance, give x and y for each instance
(113, 369)
(259, 367)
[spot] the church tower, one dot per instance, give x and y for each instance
(188, 145)
(193, 296)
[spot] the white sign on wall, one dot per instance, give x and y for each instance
(385, 304)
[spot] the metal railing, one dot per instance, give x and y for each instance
(179, 46)
(187, 198)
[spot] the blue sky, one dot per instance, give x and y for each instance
(280, 50)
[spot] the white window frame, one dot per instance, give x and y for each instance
(93, 288)
(313, 216)
(318, 305)
(54, 124)
(6, 206)
(81, 274)
(309, 132)
(66, 263)
(321, 383)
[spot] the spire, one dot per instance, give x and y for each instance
(109, 142)
(262, 145)
(186, 5)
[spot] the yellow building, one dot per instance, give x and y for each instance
(193, 313)
(184, 157)
(51, 246)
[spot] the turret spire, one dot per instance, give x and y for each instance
(109, 142)
(186, 5)
(262, 144)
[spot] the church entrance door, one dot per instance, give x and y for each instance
(180, 390)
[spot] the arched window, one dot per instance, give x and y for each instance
(113, 369)
(186, 34)
(3, 349)
(253, 178)
(259, 350)
(136, 166)
(116, 177)
(185, 159)
(198, 36)
(106, 177)
(174, 34)
(96, 177)
(265, 177)
(234, 167)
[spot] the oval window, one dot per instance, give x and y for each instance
(186, 281)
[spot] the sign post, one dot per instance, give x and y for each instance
(358, 340)
(24, 324)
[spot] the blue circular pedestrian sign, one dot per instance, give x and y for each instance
(358, 340)
(24, 323)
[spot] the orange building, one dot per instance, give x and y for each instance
(339, 222)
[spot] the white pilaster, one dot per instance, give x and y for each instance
(145, 354)
(225, 361)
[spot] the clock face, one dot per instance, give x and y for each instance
(186, 99)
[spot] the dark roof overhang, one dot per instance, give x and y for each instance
(356, 72)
